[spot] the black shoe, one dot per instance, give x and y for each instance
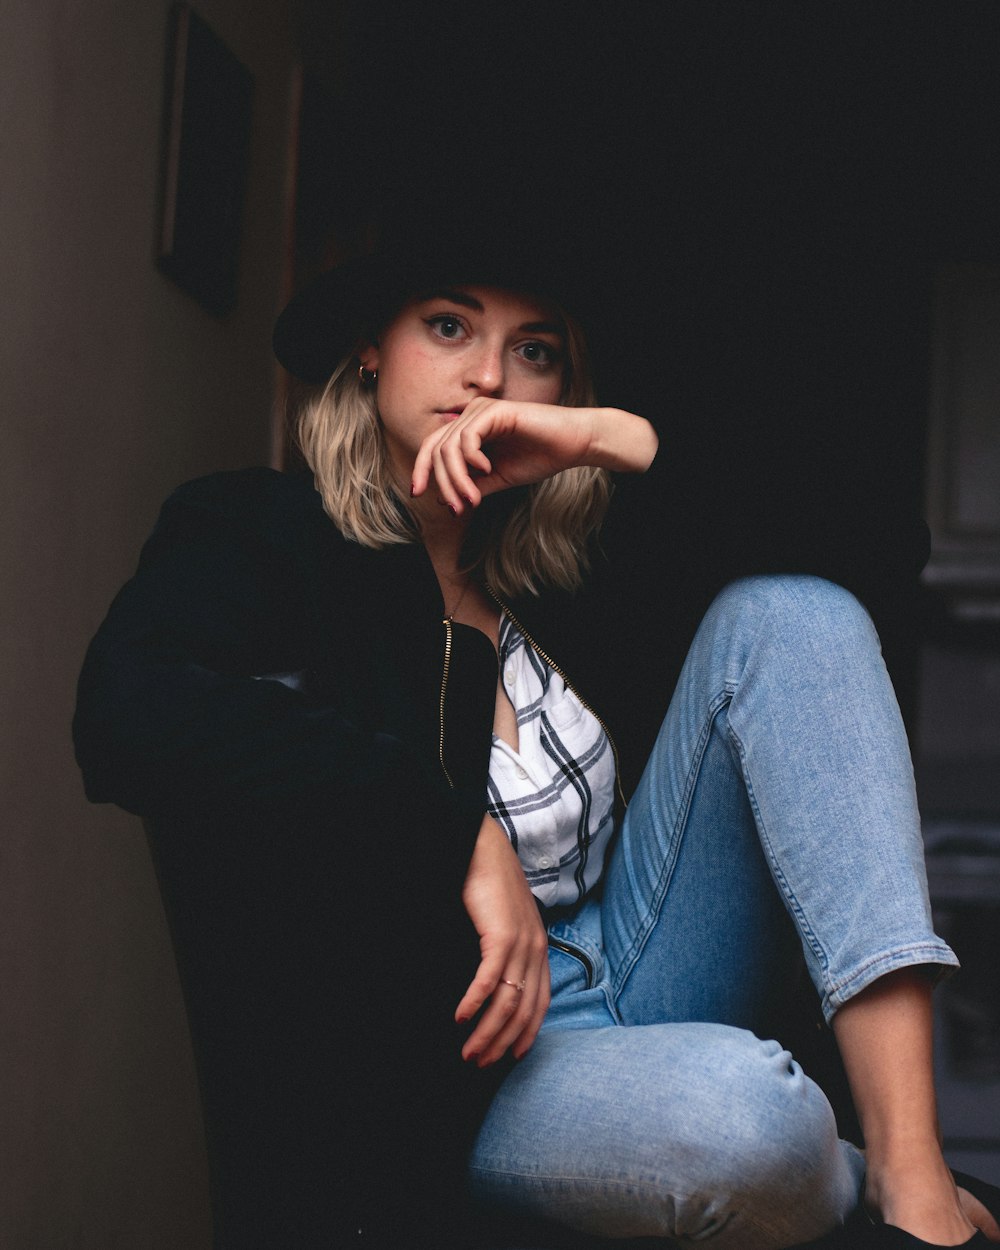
(988, 1195)
(861, 1232)
(889, 1237)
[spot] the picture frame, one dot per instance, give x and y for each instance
(208, 107)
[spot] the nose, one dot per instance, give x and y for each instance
(485, 370)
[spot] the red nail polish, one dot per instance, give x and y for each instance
(452, 509)
(411, 490)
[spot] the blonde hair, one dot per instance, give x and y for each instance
(520, 540)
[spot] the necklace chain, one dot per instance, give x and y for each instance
(465, 590)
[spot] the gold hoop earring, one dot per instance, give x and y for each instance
(368, 376)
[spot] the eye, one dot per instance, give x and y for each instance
(538, 353)
(446, 326)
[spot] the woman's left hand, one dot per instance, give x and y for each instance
(511, 985)
(496, 444)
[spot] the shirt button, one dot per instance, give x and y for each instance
(522, 773)
(545, 862)
(510, 675)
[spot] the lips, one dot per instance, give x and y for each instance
(452, 414)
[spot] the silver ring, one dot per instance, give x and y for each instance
(514, 985)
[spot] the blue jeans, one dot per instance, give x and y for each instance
(776, 817)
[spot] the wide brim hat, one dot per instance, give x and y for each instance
(348, 305)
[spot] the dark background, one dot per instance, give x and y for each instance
(762, 190)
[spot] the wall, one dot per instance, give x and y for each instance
(115, 387)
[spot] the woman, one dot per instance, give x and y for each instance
(379, 713)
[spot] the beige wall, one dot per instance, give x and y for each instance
(114, 386)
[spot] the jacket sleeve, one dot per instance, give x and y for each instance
(168, 719)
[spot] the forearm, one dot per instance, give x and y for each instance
(511, 985)
(622, 442)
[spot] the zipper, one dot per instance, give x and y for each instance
(556, 669)
(576, 954)
(447, 622)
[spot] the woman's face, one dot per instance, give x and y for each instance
(442, 351)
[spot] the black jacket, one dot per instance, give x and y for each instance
(269, 696)
(245, 577)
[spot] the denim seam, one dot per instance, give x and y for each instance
(805, 929)
(832, 996)
(629, 959)
(629, 1181)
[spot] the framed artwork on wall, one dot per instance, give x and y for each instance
(206, 140)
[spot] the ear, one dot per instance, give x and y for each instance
(368, 356)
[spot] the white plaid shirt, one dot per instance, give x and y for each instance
(554, 795)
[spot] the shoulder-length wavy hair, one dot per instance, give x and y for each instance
(520, 540)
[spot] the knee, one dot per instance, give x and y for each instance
(792, 610)
(791, 597)
(681, 1130)
(776, 1157)
(778, 1113)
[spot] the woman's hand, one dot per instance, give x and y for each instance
(497, 443)
(514, 948)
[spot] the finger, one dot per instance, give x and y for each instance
(526, 1040)
(502, 1023)
(483, 984)
(460, 450)
(519, 1034)
(535, 1006)
(519, 1026)
(423, 462)
(454, 460)
(445, 469)
(512, 1024)
(474, 461)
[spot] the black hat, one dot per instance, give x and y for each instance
(340, 309)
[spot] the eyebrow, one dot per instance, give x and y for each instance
(454, 297)
(468, 301)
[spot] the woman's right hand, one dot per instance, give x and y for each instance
(514, 949)
(496, 444)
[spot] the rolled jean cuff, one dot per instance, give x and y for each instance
(940, 959)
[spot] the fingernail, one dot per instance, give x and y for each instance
(412, 490)
(452, 509)
(468, 501)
